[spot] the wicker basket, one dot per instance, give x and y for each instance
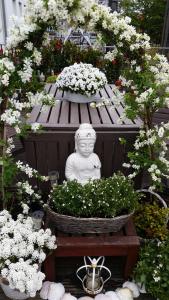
(71, 224)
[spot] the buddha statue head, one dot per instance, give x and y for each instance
(85, 138)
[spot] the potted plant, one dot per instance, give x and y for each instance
(83, 80)
(22, 250)
(151, 220)
(102, 205)
(152, 268)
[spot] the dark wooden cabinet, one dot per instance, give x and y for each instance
(48, 150)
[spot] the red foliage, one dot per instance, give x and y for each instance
(114, 62)
(118, 82)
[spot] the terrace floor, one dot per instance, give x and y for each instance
(142, 297)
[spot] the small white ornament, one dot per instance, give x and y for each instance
(112, 295)
(56, 291)
(45, 290)
(102, 297)
(124, 294)
(133, 287)
(68, 296)
(85, 298)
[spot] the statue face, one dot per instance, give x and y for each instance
(85, 147)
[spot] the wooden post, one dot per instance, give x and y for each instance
(165, 34)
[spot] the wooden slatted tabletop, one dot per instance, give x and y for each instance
(68, 114)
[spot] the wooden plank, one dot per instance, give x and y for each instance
(108, 158)
(34, 114)
(80, 246)
(64, 113)
(58, 94)
(162, 116)
(130, 228)
(74, 113)
(44, 115)
(111, 111)
(48, 87)
(42, 163)
(95, 118)
(163, 110)
(52, 90)
(158, 120)
(104, 116)
(55, 113)
(84, 114)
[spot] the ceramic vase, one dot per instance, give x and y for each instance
(13, 294)
(79, 98)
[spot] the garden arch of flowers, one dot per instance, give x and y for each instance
(144, 81)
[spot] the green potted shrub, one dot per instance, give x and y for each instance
(151, 221)
(102, 205)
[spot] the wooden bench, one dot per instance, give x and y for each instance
(48, 150)
(124, 243)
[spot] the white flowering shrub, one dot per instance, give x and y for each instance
(22, 250)
(145, 77)
(152, 268)
(81, 78)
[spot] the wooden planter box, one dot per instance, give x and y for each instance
(124, 243)
(48, 150)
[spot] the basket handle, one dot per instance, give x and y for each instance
(155, 194)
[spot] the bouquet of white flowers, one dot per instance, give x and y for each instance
(81, 78)
(22, 250)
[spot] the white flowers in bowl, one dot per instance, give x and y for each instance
(22, 250)
(81, 78)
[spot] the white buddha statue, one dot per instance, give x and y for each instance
(83, 165)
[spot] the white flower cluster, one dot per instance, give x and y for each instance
(38, 10)
(144, 97)
(10, 146)
(157, 167)
(6, 69)
(24, 186)
(84, 10)
(16, 104)
(26, 73)
(24, 277)
(26, 169)
(37, 57)
(111, 55)
(19, 31)
(27, 188)
(11, 116)
(40, 98)
(22, 250)
(30, 172)
(81, 78)
(160, 69)
(119, 26)
(35, 126)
